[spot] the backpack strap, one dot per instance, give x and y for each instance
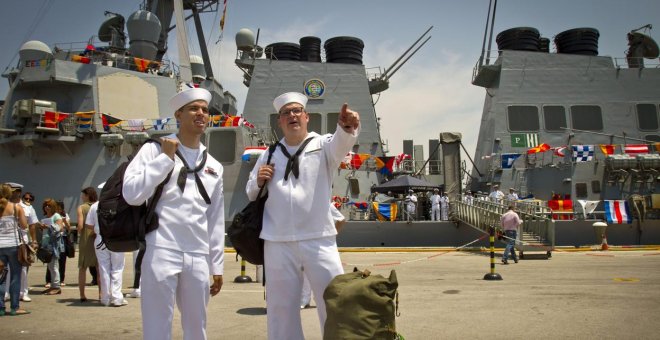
(151, 204)
(293, 164)
(271, 149)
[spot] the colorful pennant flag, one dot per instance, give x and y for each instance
(80, 59)
(159, 124)
(358, 159)
(617, 211)
(400, 157)
(109, 121)
(607, 149)
(508, 159)
(52, 119)
(84, 120)
(252, 152)
(561, 206)
(361, 205)
(384, 165)
(543, 147)
(559, 151)
(588, 207)
(135, 125)
(141, 64)
(583, 153)
(636, 149)
(385, 211)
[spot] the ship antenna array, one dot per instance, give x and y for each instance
(381, 83)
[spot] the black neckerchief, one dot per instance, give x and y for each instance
(293, 164)
(185, 170)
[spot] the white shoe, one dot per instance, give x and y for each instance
(26, 298)
(134, 294)
(119, 303)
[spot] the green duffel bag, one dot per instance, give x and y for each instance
(361, 306)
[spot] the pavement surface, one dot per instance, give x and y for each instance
(442, 295)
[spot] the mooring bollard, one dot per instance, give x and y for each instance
(492, 275)
(243, 278)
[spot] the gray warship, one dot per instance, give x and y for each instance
(74, 113)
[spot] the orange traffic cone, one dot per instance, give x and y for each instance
(603, 245)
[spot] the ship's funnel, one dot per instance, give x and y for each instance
(310, 49)
(582, 41)
(112, 31)
(197, 68)
(34, 50)
(143, 32)
(519, 38)
(344, 50)
(641, 46)
(283, 51)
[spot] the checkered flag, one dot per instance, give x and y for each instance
(583, 153)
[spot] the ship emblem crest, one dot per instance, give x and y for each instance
(314, 88)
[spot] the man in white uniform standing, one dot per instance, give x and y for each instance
(435, 206)
(189, 242)
(444, 206)
(298, 228)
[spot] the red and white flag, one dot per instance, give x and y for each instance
(636, 148)
(559, 151)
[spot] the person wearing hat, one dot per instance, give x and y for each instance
(298, 228)
(444, 206)
(188, 245)
(512, 195)
(435, 205)
(496, 195)
(411, 203)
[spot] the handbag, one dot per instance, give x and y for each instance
(45, 255)
(69, 248)
(246, 227)
(26, 254)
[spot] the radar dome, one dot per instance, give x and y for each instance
(34, 50)
(113, 24)
(245, 39)
(143, 31)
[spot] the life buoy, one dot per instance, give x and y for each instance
(344, 199)
(337, 205)
(336, 199)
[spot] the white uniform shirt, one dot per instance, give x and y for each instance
(444, 201)
(412, 200)
(496, 195)
(435, 200)
(92, 219)
(297, 209)
(512, 196)
(186, 223)
(30, 216)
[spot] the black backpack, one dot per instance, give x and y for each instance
(123, 226)
(246, 226)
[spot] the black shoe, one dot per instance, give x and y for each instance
(515, 260)
(505, 262)
(94, 283)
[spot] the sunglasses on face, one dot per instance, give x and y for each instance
(28, 199)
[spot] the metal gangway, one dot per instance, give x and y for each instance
(538, 227)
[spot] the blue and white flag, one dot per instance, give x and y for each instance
(508, 159)
(159, 124)
(583, 153)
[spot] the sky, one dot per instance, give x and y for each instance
(430, 94)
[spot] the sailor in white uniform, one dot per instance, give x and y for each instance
(411, 203)
(444, 206)
(298, 229)
(435, 206)
(189, 242)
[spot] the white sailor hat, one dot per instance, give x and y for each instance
(15, 186)
(289, 97)
(189, 95)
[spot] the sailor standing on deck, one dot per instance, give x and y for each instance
(189, 242)
(435, 205)
(444, 206)
(496, 195)
(411, 203)
(298, 229)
